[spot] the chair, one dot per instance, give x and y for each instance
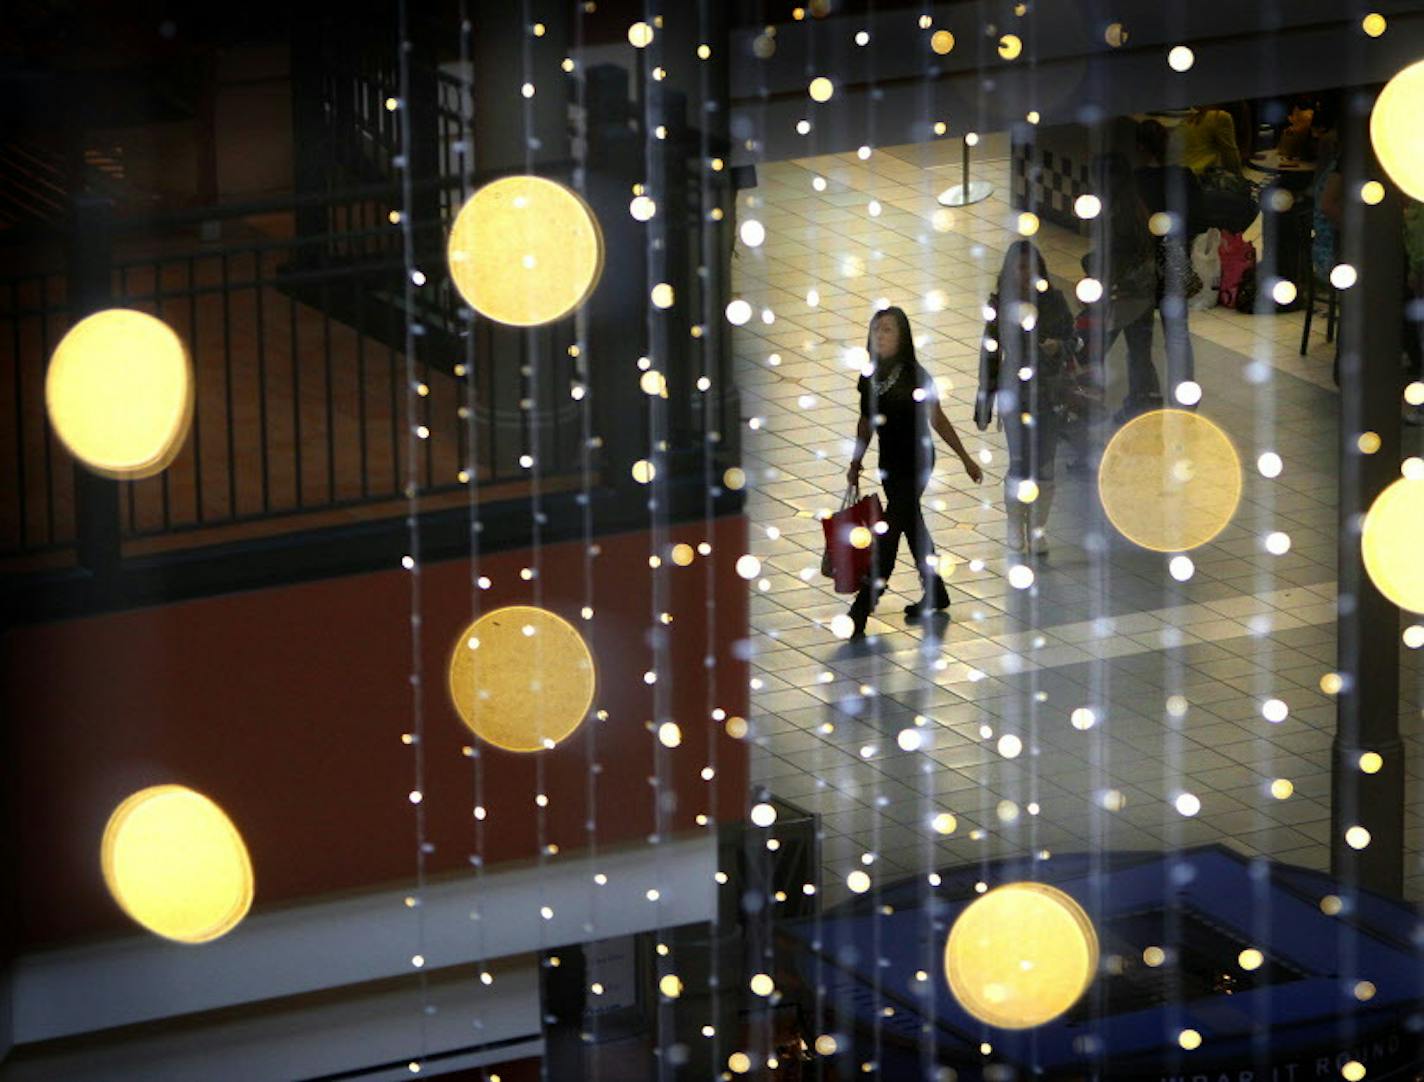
(1331, 304)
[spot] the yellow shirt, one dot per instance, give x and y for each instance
(1204, 142)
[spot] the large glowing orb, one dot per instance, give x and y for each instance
(119, 392)
(1394, 129)
(1169, 480)
(525, 250)
(522, 678)
(1391, 545)
(1020, 955)
(176, 864)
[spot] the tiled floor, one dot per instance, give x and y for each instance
(1174, 672)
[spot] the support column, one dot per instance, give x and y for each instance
(1368, 623)
(96, 498)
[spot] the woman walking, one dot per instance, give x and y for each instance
(898, 400)
(1022, 362)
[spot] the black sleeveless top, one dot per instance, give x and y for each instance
(900, 419)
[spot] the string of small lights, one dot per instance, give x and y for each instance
(580, 356)
(415, 433)
(663, 729)
(708, 346)
(468, 371)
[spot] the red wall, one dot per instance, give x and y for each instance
(287, 705)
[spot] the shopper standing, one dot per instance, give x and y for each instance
(1022, 361)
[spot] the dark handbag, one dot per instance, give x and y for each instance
(1229, 201)
(1175, 274)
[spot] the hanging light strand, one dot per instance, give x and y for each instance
(412, 493)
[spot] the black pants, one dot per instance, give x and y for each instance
(904, 518)
(1142, 382)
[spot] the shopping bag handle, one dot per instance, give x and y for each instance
(852, 495)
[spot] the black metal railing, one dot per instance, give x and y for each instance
(296, 313)
(298, 351)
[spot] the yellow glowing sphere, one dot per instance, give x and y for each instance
(644, 471)
(1250, 959)
(1368, 443)
(1153, 957)
(739, 1063)
(736, 727)
(1364, 990)
(1357, 837)
(670, 734)
(860, 537)
(858, 882)
(640, 35)
(821, 89)
(944, 823)
(1282, 788)
(1020, 955)
(1010, 46)
(1371, 762)
(1169, 480)
(119, 392)
(1189, 1039)
(1115, 35)
(1390, 543)
(670, 986)
(942, 42)
(525, 251)
(1353, 1071)
(762, 985)
(1394, 129)
(682, 555)
(1372, 191)
(663, 295)
(734, 478)
(522, 678)
(826, 1045)
(1374, 24)
(1027, 224)
(1331, 905)
(1331, 683)
(176, 864)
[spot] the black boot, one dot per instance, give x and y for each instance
(936, 598)
(860, 610)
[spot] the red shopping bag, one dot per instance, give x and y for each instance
(1238, 261)
(845, 561)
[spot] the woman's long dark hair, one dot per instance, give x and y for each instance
(1006, 285)
(906, 352)
(1124, 215)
